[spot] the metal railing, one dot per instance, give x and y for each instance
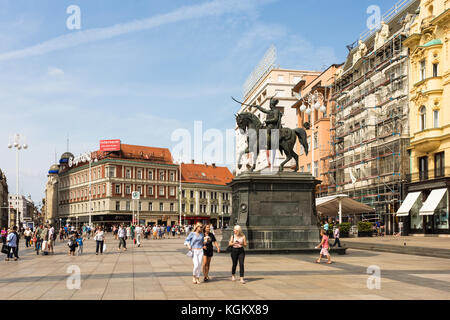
(428, 174)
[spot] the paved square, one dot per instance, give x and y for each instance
(161, 270)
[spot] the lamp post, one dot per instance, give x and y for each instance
(222, 220)
(18, 147)
(90, 186)
(313, 101)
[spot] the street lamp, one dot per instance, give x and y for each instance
(222, 219)
(313, 101)
(16, 144)
(90, 187)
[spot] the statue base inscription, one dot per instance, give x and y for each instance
(276, 212)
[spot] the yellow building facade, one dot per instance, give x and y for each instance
(425, 208)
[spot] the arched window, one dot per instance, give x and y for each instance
(423, 118)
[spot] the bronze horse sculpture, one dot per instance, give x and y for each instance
(249, 124)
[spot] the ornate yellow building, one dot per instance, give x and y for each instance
(425, 209)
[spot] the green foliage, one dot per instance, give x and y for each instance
(345, 227)
(365, 226)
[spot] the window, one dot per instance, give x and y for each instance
(192, 208)
(161, 191)
(150, 174)
(172, 207)
(183, 193)
(128, 189)
(423, 70)
(139, 189)
(172, 191)
(423, 118)
(161, 206)
(172, 176)
(127, 207)
(150, 191)
(423, 168)
(150, 206)
(139, 174)
(435, 69)
(128, 173)
(192, 194)
(436, 118)
(111, 172)
(183, 207)
(140, 206)
(316, 169)
(309, 143)
(309, 168)
(161, 175)
(316, 140)
(439, 166)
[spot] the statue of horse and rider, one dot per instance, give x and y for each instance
(250, 124)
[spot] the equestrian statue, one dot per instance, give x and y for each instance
(249, 124)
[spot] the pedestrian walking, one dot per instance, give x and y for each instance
(324, 245)
(51, 239)
(208, 241)
(138, 231)
(72, 244)
(99, 238)
(80, 240)
(38, 237)
(4, 235)
(194, 242)
(27, 234)
(11, 241)
(122, 234)
(336, 237)
(237, 242)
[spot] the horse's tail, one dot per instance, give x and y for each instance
(303, 138)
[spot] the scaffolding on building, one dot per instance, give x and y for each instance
(369, 129)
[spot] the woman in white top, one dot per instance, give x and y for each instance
(237, 243)
(99, 238)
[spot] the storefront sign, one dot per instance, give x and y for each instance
(110, 145)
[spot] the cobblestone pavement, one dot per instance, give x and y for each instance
(161, 270)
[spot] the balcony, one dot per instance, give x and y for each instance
(428, 175)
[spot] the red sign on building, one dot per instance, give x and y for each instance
(109, 145)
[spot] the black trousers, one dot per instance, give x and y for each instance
(13, 251)
(99, 246)
(238, 254)
(27, 241)
(337, 242)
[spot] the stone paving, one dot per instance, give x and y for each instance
(413, 241)
(160, 270)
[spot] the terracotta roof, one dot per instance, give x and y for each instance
(128, 151)
(207, 174)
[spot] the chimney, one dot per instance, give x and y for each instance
(192, 161)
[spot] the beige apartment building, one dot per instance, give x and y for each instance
(205, 196)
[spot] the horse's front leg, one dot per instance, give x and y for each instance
(240, 158)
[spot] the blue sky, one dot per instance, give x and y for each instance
(140, 69)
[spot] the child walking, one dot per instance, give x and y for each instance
(325, 246)
(80, 240)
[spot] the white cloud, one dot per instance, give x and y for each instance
(55, 72)
(207, 9)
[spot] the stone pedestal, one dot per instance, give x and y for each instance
(276, 212)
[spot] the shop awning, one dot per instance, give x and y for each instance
(432, 202)
(407, 205)
(329, 206)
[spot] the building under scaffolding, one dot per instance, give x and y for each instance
(369, 129)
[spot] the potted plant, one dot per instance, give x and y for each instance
(365, 229)
(344, 229)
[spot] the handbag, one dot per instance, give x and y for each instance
(5, 249)
(104, 247)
